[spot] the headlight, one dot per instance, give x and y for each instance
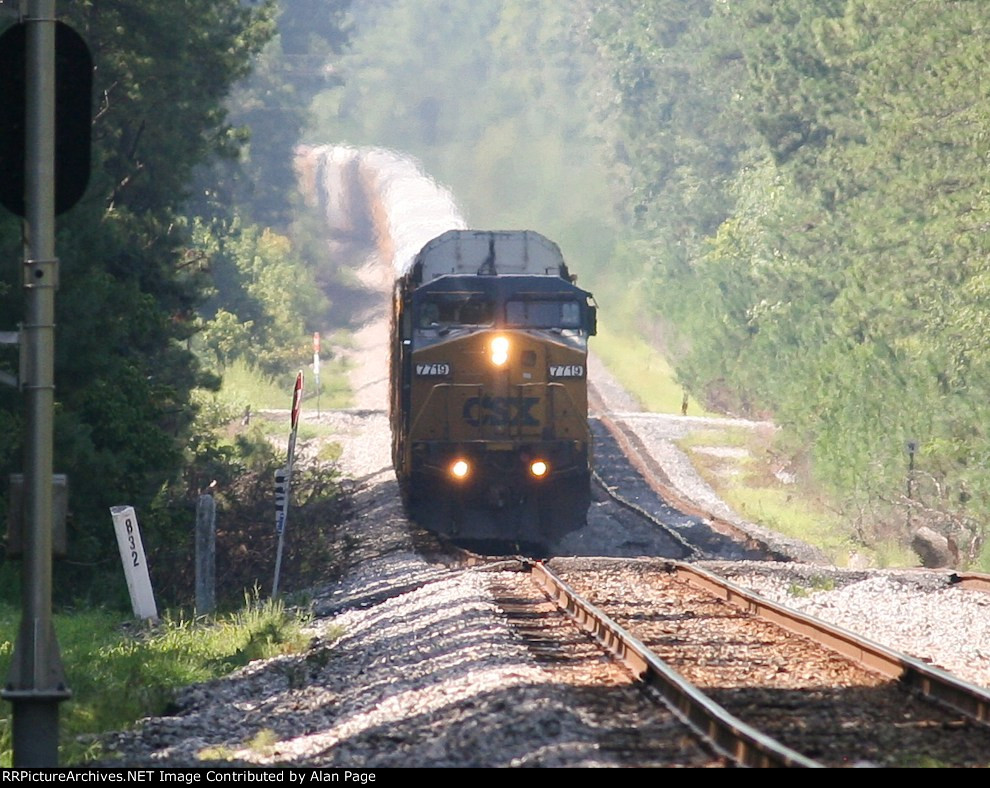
(500, 351)
(539, 468)
(459, 469)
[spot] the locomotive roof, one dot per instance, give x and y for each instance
(488, 252)
(502, 287)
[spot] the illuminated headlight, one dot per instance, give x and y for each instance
(539, 468)
(500, 351)
(459, 469)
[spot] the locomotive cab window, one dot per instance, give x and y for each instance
(448, 310)
(543, 314)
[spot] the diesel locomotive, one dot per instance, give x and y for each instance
(488, 400)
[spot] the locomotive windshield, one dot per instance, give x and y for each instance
(446, 310)
(543, 314)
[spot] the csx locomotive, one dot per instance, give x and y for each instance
(489, 403)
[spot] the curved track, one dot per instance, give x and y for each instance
(781, 689)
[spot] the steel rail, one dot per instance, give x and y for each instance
(728, 735)
(976, 581)
(689, 548)
(930, 682)
(632, 447)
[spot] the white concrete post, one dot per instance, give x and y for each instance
(135, 566)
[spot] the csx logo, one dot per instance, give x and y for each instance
(433, 370)
(567, 371)
(500, 411)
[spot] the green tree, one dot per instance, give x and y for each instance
(127, 297)
(834, 271)
(269, 108)
(264, 299)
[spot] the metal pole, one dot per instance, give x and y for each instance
(36, 684)
(285, 513)
(281, 543)
(297, 394)
(316, 368)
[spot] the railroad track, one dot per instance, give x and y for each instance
(770, 687)
(901, 741)
(792, 691)
(602, 696)
(653, 474)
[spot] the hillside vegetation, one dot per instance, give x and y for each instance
(783, 201)
(810, 194)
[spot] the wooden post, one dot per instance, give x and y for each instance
(206, 555)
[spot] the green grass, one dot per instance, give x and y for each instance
(307, 431)
(810, 586)
(785, 513)
(243, 385)
(341, 339)
(733, 437)
(642, 370)
(330, 452)
(637, 361)
(751, 490)
(747, 483)
(120, 671)
(891, 554)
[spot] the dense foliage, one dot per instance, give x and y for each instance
(810, 179)
(161, 236)
(120, 674)
(802, 184)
